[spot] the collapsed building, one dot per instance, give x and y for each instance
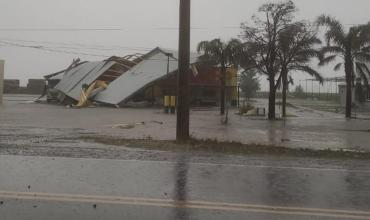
(145, 78)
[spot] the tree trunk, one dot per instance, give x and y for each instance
(349, 75)
(272, 92)
(285, 89)
(222, 95)
(348, 98)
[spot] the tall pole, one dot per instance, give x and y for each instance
(312, 88)
(2, 64)
(306, 90)
(182, 130)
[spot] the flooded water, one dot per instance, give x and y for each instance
(22, 123)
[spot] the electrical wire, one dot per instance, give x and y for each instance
(67, 52)
(110, 29)
(79, 45)
(126, 28)
(52, 50)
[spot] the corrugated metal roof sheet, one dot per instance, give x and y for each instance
(151, 69)
(86, 73)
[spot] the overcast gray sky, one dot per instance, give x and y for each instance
(145, 24)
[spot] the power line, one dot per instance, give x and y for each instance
(128, 28)
(79, 45)
(111, 29)
(66, 51)
(61, 29)
(53, 50)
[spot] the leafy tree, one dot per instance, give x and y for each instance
(249, 84)
(296, 48)
(261, 43)
(352, 47)
(223, 55)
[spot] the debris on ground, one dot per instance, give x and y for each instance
(126, 126)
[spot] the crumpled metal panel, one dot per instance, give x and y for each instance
(86, 73)
(151, 69)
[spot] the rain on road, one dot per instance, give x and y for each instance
(67, 188)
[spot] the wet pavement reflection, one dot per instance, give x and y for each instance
(181, 170)
(166, 190)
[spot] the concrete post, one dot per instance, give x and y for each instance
(2, 64)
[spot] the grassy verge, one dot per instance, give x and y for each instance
(234, 148)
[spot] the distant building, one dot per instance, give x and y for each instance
(35, 86)
(11, 85)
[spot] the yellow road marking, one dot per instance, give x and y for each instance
(347, 214)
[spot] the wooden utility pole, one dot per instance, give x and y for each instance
(182, 130)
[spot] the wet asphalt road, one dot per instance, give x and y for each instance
(66, 188)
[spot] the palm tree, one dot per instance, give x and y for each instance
(295, 51)
(352, 46)
(224, 55)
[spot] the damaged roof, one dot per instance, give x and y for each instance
(86, 73)
(152, 68)
(134, 73)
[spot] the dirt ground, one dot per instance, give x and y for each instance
(23, 123)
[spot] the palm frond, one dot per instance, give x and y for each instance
(234, 51)
(327, 60)
(360, 36)
(338, 66)
(335, 32)
(310, 71)
(363, 57)
(202, 46)
(309, 53)
(361, 70)
(332, 50)
(364, 67)
(291, 80)
(220, 53)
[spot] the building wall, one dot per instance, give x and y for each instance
(11, 85)
(204, 87)
(36, 86)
